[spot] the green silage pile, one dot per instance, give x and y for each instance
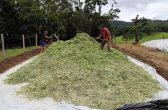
(79, 72)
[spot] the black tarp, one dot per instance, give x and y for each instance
(152, 105)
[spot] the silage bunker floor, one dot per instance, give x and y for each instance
(78, 72)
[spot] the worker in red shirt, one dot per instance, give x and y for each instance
(105, 36)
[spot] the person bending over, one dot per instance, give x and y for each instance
(105, 36)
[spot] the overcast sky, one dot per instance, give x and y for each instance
(152, 9)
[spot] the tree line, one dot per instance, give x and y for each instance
(67, 17)
(63, 17)
(151, 26)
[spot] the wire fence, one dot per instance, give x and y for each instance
(19, 42)
(16, 42)
(23, 41)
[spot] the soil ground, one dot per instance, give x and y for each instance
(13, 61)
(153, 57)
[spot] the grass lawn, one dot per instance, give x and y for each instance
(146, 38)
(79, 72)
(14, 52)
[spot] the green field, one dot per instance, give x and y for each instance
(145, 38)
(14, 52)
(79, 72)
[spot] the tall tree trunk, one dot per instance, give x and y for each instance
(137, 37)
(79, 4)
(100, 9)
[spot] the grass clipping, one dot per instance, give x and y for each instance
(79, 72)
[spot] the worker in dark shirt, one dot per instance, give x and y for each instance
(43, 40)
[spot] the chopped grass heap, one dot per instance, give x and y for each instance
(79, 72)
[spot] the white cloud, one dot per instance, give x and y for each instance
(157, 10)
(151, 9)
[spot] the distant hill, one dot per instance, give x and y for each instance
(158, 22)
(121, 24)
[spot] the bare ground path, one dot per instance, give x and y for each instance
(13, 61)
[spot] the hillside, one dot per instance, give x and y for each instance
(79, 72)
(121, 24)
(146, 38)
(124, 24)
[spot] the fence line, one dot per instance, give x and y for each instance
(3, 44)
(36, 39)
(20, 42)
(23, 40)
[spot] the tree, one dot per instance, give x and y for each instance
(91, 5)
(77, 4)
(113, 12)
(100, 3)
(65, 17)
(8, 17)
(139, 23)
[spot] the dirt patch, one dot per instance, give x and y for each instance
(149, 56)
(13, 61)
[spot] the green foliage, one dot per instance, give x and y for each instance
(64, 17)
(79, 72)
(91, 5)
(155, 26)
(8, 17)
(152, 26)
(113, 12)
(139, 24)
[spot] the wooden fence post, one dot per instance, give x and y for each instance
(23, 39)
(3, 44)
(51, 39)
(36, 39)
